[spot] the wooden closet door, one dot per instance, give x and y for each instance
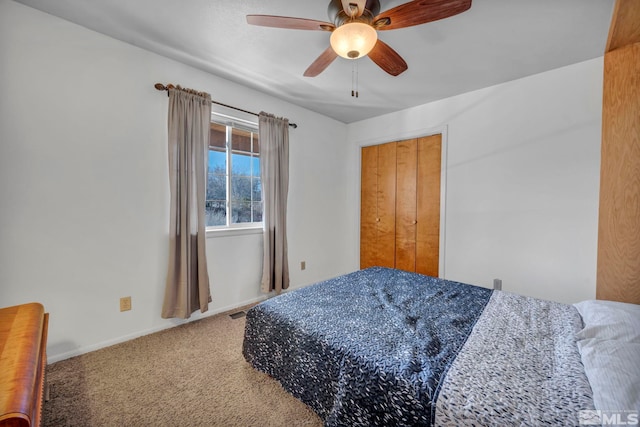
(428, 205)
(368, 205)
(377, 205)
(385, 245)
(406, 176)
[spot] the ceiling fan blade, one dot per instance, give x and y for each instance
(360, 4)
(290, 23)
(419, 12)
(322, 62)
(387, 59)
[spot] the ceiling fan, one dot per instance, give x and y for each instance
(355, 26)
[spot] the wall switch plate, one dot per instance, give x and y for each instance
(125, 303)
(303, 265)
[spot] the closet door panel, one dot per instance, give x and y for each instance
(386, 238)
(428, 205)
(406, 164)
(368, 205)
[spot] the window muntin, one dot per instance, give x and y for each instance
(234, 193)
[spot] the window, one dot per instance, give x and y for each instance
(234, 194)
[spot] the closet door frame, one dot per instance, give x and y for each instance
(443, 181)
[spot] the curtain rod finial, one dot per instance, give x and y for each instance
(160, 86)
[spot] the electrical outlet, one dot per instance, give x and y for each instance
(497, 284)
(125, 303)
(303, 265)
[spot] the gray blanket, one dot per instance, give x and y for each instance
(519, 367)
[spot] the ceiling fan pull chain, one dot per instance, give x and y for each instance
(354, 79)
(356, 66)
(353, 84)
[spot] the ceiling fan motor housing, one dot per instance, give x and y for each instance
(337, 15)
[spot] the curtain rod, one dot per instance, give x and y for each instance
(160, 86)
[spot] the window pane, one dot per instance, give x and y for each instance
(256, 166)
(218, 136)
(241, 188)
(256, 143)
(256, 190)
(217, 162)
(241, 140)
(240, 212)
(216, 187)
(257, 211)
(216, 213)
(241, 164)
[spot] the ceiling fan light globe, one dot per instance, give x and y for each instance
(353, 40)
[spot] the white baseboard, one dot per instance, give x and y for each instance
(52, 358)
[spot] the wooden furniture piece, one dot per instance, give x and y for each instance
(23, 342)
(400, 205)
(618, 276)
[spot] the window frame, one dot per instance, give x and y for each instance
(230, 123)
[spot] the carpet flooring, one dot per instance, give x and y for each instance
(190, 375)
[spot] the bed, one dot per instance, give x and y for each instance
(384, 347)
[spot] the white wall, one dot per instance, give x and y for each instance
(522, 179)
(84, 187)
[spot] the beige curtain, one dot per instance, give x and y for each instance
(187, 287)
(274, 172)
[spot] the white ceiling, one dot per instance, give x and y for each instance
(493, 42)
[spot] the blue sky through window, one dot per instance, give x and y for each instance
(241, 163)
(217, 159)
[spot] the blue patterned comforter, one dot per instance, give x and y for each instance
(366, 349)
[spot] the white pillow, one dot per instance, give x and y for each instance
(609, 346)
